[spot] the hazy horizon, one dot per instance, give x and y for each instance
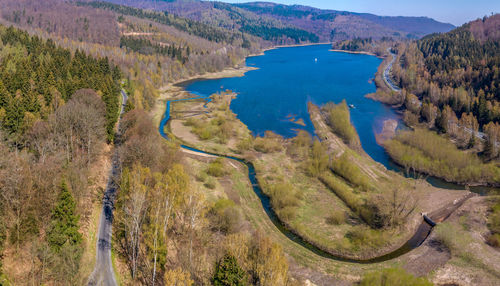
(463, 10)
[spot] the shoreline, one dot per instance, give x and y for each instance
(355, 52)
(286, 46)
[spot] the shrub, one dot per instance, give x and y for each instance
(268, 144)
(229, 273)
(339, 119)
(344, 167)
(367, 211)
(343, 191)
(202, 177)
(448, 236)
(365, 237)
(210, 184)
(318, 161)
(284, 199)
(427, 152)
(336, 217)
(494, 240)
(216, 168)
(393, 276)
(244, 144)
(494, 224)
(225, 217)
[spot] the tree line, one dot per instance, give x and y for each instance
(145, 46)
(451, 84)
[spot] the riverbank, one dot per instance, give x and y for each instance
(174, 90)
(266, 163)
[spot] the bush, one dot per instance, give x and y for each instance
(494, 224)
(216, 168)
(210, 184)
(225, 217)
(449, 237)
(318, 161)
(344, 167)
(393, 276)
(426, 151)
(365, 237)
(343, 191)
(494, 240)
(229, 273)
(336, 217)
(270, 143)
(339, 119)
(202, 177)
(244, 144)
(284, 199)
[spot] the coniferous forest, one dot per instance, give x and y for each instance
(36, 75)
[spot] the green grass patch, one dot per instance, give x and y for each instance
(392, 276)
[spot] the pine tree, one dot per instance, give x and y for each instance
(229, 273)
(64, 224)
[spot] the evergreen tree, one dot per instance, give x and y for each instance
(229, 273)
(64, 225)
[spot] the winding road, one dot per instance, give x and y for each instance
(103, 273)
(387, 73)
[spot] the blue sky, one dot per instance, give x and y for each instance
(456, 12)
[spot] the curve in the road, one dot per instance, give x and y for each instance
(387, 71)
(416, 240)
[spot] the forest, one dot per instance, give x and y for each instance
(192, 27)
(58, 110)
(36, 76)
(457, 72)
(450, 85)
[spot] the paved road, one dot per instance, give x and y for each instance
(387, 73)
(103, 273)
(394, 87)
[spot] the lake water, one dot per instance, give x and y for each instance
(288, 78)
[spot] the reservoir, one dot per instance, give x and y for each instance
(274, 97)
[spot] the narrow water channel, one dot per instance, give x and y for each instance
(416, 240)
(266, 101)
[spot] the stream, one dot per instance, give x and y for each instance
(267, 101)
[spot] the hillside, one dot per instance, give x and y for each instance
(295, 21)
(450, 84)
(151, 48)
(339, 25)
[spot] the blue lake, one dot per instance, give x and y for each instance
(288, 78)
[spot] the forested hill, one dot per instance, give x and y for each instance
(272, 21)
(208, 18)
(36, 76)
(452, 82)
(340, 25)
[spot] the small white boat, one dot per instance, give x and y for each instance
(316, 60)
(352, 106)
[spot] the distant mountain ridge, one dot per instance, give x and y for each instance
(268, 18)
(412, 26)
